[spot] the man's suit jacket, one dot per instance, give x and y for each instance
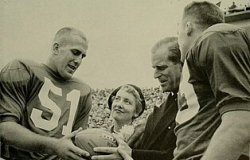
(159, 140)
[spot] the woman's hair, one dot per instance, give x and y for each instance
(135, 91)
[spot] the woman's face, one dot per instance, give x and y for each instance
(124, 107)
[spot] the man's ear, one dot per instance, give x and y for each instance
(189, 28)
(55, 48)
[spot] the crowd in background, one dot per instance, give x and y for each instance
(100, 112)
(235, 7)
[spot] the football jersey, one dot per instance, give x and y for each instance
(215, 80)
(37, 98)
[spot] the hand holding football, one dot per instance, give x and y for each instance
(94, 137)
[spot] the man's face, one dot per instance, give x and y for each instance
(167, 72)
(69, 55)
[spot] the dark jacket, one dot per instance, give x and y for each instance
(159, 140)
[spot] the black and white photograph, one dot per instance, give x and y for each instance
(124, 80)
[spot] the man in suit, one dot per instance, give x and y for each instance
(158, 141)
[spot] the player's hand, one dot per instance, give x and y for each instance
(123, 151)
(65, 148)
(134, 140)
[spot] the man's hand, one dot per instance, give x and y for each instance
(112, 153)
(65, 148)
(124, 154)
(123, 151)
(134, 140)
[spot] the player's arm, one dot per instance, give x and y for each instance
(20, 137)
(231, 138)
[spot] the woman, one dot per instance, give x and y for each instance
(126, 104)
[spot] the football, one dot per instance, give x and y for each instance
(94, 137)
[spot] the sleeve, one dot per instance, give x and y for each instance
(85, 105)
(138, 154)
(226, 61)
(13, 84)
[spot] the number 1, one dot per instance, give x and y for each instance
(48, 125)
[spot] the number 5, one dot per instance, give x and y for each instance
(48, 125)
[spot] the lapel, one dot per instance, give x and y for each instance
(167, 111)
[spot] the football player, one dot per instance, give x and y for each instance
(42, 104)
(214, 94)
